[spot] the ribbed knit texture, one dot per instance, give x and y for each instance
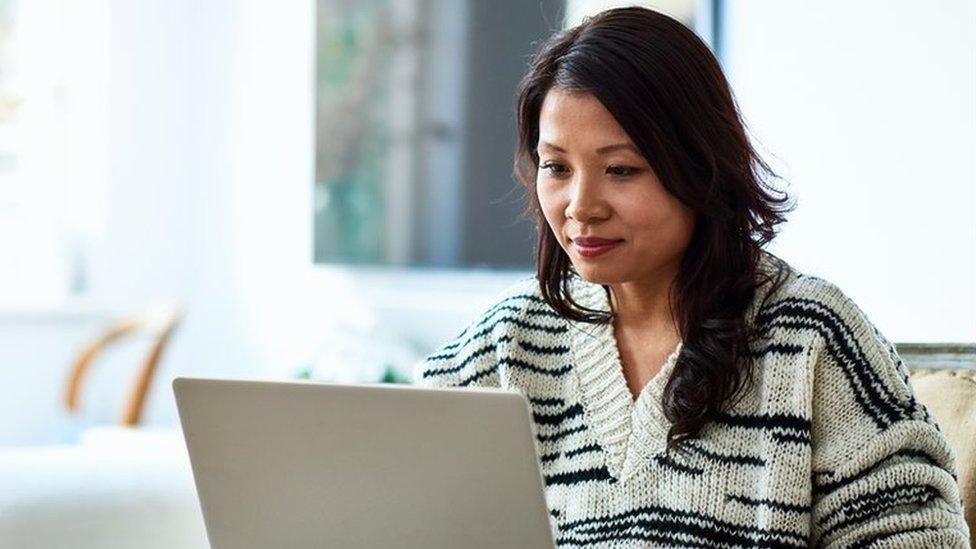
(828, 448)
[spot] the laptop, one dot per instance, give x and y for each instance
(307, 464)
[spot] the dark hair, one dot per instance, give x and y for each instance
(665, 88)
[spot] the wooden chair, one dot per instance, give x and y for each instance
(158, 321)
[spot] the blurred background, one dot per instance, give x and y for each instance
(323, 190)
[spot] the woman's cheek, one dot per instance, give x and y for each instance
(550, 211)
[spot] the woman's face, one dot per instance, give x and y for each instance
(593, 182)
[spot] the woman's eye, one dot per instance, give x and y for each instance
(622, 171)
(554, 168)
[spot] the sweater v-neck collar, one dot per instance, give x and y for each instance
(630, 431)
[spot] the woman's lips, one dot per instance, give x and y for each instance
(594, 248)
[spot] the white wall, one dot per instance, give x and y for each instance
(870, 110)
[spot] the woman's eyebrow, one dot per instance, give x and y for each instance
(548, 145)
(616, 147)
(601, 150)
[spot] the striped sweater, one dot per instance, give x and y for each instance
(828, 448)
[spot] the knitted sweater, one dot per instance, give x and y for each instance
(828, 448)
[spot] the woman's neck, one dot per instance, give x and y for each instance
(644, 306)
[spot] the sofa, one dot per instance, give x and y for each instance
(950, 395)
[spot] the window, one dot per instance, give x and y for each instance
(415, 132)
(52, 138)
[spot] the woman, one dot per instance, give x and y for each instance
(689, 388)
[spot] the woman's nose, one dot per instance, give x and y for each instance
(585, 201)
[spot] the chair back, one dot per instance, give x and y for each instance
(158, 320)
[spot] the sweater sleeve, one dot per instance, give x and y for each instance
(884, 475)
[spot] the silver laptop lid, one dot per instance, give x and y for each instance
(302, 464)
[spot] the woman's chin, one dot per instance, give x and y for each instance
(597, 275)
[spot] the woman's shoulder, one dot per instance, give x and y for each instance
(472, 356)
(515, 297)
(811, 295)
(524, 289)
(511, 302)
(809, 305)
(814, 317)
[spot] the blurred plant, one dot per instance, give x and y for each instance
(359, 355)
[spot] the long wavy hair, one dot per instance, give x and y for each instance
(665, 88)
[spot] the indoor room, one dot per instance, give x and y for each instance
(405, 196)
